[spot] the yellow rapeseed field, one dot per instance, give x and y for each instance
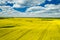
(29, 29)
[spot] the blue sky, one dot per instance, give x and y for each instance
(27, 6)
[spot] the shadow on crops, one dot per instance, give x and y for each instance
(6, 17)
(29, 20)
(47, 20)
(11, 26)
(3, 18)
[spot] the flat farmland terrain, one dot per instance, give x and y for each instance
(29, 29)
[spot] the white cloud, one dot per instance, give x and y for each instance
(29, 2)
(2, 1)
(17, 6)
(35, 9)
(50, 10)
(23, 2)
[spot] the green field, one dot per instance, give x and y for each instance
(29, 28)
